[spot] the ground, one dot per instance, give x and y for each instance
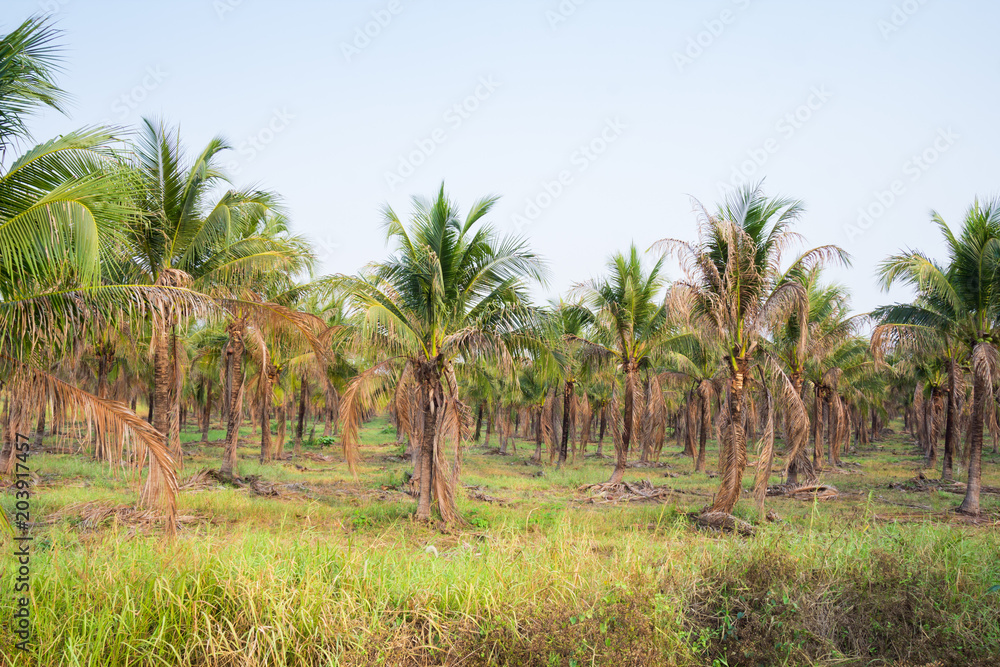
(334, 570)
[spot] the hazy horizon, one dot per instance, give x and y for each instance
(596, 122)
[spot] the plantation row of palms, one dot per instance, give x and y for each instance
(136, 275)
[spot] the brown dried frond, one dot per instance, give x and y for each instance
(35, 389)
(765, 459)
(367, 392)
(733, 454)
(796, 427)
(986, 364)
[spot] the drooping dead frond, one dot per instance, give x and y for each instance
(474, 344)
(35, 389)
(404, 404)
(282, 323)
(765, 460)
(655, 422)
(986, 364)
(796, 429)
(457, 422)
(368, 391)
(733, 449)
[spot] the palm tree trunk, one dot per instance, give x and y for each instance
(501, 430)
(704, 399)
(818, 428)
(734, 445)
(234, 391)
(40, 427)
(100, 450)
(303, 396)
(266, 442)
(828, 423)
(282, 414)
(537, 458)
(431, 403)
(621, 451)
(207, 414)
(691, 425)
(176, 378)
(971, 503)
(564, 440)
(479, 422)
(327, 419)
(160, 406)
(603, 427)
(933, 428)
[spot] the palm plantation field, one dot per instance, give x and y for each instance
(213, 454)
(335, 570)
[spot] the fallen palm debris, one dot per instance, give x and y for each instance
(923, 483)
(809, 491)
(253, 484)
(478, 493)
(625, 492)
(648, 464)
(318, 457)
(722, 522)
(305, 469)
(94, 514)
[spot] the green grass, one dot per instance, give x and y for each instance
(346, 576)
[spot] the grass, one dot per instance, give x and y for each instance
(346, 577)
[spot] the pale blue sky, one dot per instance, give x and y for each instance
(873, 82)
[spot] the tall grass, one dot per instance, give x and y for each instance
(345, 577)
(568, 589)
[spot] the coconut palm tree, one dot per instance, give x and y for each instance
(736, 287)
(630, 320)
(563, 330)
(694, 362)
(805, 349)
(453, 292)
(960, 303)
(66, 199)
(229, 246)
